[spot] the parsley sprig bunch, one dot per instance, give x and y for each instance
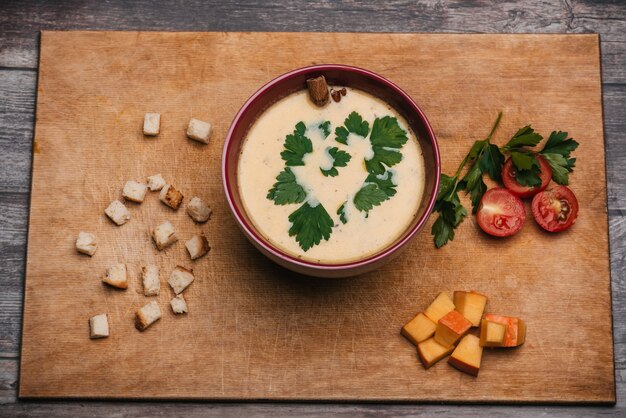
(487, 158)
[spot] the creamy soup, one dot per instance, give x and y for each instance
(346, 190)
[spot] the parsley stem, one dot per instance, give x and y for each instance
(495, 126)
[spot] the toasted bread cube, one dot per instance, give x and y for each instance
(179, 305)
(164, 235)
(86, 243)
(99, 326)
(419, 329)
(198, 210)
(471, 305)
(515, 334)
(430, 352)
(151, 124)
(171, 197)
(199, 131)
(197, 246)
(147, 315)
(156, 182)
(117, 276)
(117, 212)
(439, 308)
(492, 333)
(150, 279)
(134, 191)
(180, 278)
(467, 355)
(451, 328)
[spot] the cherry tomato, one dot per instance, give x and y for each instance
(500, 213)
(510, 182)
(555, 209)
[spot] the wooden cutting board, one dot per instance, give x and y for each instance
(254, 330)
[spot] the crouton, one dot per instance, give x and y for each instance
(164, 235)
(147, 315)
(199, 131)
(117, 212)
(86, 243)
(117, 276)
(156, 182)
(178, 304)
(99, 326)
(180, 278)
(150, 279)
(134, 191)
(198, 210)
(171, 197)
(197, 246)
(151, 124)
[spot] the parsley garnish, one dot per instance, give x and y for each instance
(383, 182)
(325, 128)
(386, 134)
(310, 224)
(296, 146)
(368, 196)
(557, 152)
(355, 124)
(286, 189)
(340, 159)
(342, 213)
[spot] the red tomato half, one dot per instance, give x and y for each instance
(508, 178)
(555, 209)
(500, 213)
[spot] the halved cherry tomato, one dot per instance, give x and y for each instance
(500, 213)
(555, 209)
(508, 178)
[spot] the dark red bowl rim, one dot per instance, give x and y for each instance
(289, 258)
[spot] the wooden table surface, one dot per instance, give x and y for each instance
(20, 22)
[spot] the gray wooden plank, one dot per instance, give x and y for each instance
(21, 20)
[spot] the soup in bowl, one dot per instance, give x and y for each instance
(330, 186)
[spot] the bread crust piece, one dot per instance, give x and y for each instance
(117, 276)
(197, 246)
(179, 304)
(156, 182)
(134, 191)
(147, 315)
(99, 326)
(198, 210)
(171, 197)
(117, 212)
(199, 130)
(150, 279)
(164, 235)
(151, 124)
(86, 243)
(180, 278)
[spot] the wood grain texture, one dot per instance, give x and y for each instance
(258, 331)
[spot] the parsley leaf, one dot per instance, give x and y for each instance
(382, 157)
(386, 132)
(492, 162)
(341, 135)
(557, 152)
(442, 232)
(354, 123)
(286, 189)
(340, 159)
(524, 137)
(325, 128)
(451, 213)
(310, 224)
(384, 183)
(368, 196)
(474, 184)
(296, 146)
(342, 213)
(527, 168)
(524, 160)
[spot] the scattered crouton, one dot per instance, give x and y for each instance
(198, 210)
(197, 246)
(180, 278)
(156, 182)
(117, 276)
(134, 191)
(86, 243)
(150, 278)
(99, 326)
(179, 305)
(171, 197)
(164, 235)
(117, 212)
(147, 315)
(199, 131)
(151, 124)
